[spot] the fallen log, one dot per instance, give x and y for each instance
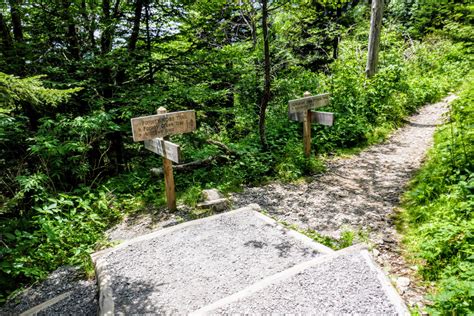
(192, 165)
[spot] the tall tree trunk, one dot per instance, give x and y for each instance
(148, 41)
(267, 79)
(337, 38)
(132, 42)
(6, 42)
(18, 45)
(115, 138)
(89, 21)
(72, 38)
(16, 20)
(374, 37)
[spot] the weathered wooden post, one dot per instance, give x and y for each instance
(307, 129)
(168, 172)
(154, 131)
(300, 110)
(374, 37)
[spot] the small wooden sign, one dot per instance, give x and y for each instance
(323, 118)
(160, 125)
(308, 103)
(317, 117)
(164, 148)
(300, 110)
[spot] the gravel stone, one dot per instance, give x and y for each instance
(402, 284)
(190, 267)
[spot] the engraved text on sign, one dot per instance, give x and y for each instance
(160, 125)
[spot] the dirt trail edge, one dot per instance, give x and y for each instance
(359, 193)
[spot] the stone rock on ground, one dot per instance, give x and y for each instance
(214, 201)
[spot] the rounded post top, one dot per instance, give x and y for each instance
(307, 94)
(161, 110)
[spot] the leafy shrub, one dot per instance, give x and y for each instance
(59, 230)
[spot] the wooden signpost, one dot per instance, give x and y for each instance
(300, 110)
(163, 124)
(164, 148)
(153, 130)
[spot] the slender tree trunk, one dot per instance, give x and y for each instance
(115, 138)
(132, 43)
(267, 78)
(337, 38)
(374, 37)
(6, 43)
(72, 38)
(16, 20)
(106, 37)
(89, 21)
(18, 45)
(148, 42)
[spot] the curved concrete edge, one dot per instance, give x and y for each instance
(387, 286)
(296, 235)
(275, 278)
(106, 300)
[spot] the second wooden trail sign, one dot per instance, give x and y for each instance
(300, 110)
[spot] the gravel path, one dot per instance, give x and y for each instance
(360, 193)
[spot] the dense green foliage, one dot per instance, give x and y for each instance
(438, 215)
(68, 163)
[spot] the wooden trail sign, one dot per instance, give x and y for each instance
(323, 118)
(161, 125)
(308, 103)
(164, 148)
(154, 130)
(300, 110)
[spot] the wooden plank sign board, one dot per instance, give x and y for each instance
(323, 118)
(308, 103)
(164, 148)
(160, 125)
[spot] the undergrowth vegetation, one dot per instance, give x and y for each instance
(437, 219)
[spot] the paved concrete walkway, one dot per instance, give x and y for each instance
(239, 261)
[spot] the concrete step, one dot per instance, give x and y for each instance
(345, 282)
(184, 268)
